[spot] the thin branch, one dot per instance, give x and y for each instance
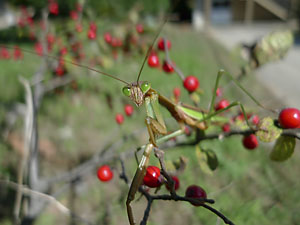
(168, 60)
(27, 191)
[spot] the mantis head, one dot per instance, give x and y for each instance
(136, 91)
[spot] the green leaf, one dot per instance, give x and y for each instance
(207, 160)
(268, 132)
(283, 149)
(212, 159)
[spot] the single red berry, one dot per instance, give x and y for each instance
(53, 7)
(151, 179)
(63, 51)
(107, 37)
(161, 44)
(92, 34)
(176, 92)
(119, 118)
(73, 15)
(50, 39)
(153, 60)
(167, 67)
(191, 83)
(250, 141)
(196, 192)
(128, 109)
(222, 104)
(78, 28)
(176, 183)
(226, 127)
(219, 92)
(289, 118)
(38, 48)
(187, 131)
(104, 173)
(255, 119)
(60, 70)
(4, 53)
(93, 26)
(18, 53)
(139, 28)
(79, 7)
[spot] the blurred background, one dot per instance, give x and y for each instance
(59, 122)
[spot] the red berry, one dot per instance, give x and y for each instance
(18, 53)
(153, 60)
(196, 192)
(226, 127)
(50, 39)
(139, 28)
(168, 68)
(222, 104)
(187, 131)
(176, 92)
(104, 173)
(255, 119)
(219, 92)
(92, 34)
(63, 51)
(93, 26)
(73, 15)
(53, 7)
(119, 118)
(60, 70)
(161, 45)
(107, 37)
(4, 53)
(289, 118)
(38, 48)
(78, 7)
(78, 27)
(176, 183)
(116, 42)
(191, 83)
(128, 109)
(250, 141)
(151, 179)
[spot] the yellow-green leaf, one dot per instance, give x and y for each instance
(207, 160)
(268, 132)
(283, 149)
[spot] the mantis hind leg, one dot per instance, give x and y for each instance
(236, 103)
(237, 83)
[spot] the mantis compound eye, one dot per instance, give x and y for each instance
(145, 87)
(126, 91)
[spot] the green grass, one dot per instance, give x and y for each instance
(247, 186)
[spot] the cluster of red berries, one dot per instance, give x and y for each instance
(128, 109)
(190, 83)
(153, 179)
(92, 32)
(114, 42)
(16, 53)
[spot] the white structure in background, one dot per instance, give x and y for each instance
(198, 21)
(7, 17)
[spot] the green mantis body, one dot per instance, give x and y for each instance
(141, 92)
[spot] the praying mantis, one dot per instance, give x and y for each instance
(141, 92)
